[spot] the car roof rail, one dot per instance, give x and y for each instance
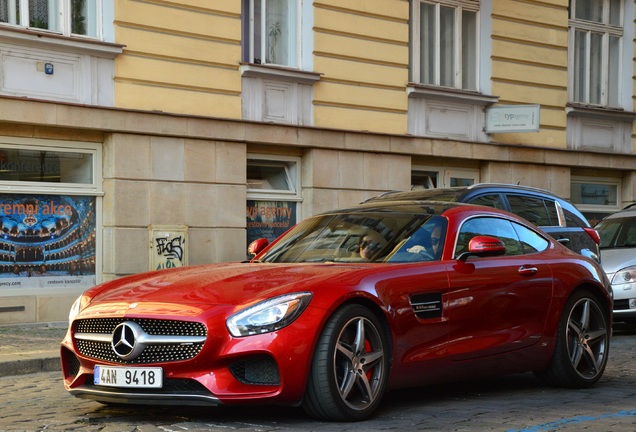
(629, 206)
(520, 186)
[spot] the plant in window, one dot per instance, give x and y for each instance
(274, 33)
(78, 25)
(38, 22)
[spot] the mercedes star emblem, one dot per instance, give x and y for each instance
(125, 340)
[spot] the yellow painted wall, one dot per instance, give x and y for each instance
(180, 56)
(529, 64)
(361, 48)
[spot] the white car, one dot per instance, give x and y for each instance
(618, 246)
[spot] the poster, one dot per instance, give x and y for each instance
(269, 219)
(47, 241)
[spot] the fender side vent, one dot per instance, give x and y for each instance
(427, 305)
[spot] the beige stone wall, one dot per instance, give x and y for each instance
(34, 308)
(180, 57)
(336, 179)
(172, 181)
(553, 178)
(529, 64)
(361, 48)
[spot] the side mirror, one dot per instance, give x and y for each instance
(484, 246)
(257, 246)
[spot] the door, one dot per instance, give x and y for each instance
(498, 304)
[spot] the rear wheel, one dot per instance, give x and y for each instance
(350, 367)
(582, 344)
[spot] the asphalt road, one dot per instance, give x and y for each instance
(38, 402)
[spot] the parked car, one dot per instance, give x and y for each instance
(618, 245)
(556, 216)
(343, 307)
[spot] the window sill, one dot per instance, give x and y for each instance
(581, 110)
(251, 70)
(449, 94)
(57, 41)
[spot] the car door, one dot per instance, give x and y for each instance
(498, 304)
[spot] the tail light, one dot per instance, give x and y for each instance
(594, 234)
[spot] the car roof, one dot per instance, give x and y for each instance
(459, 193)
(627, 211)
(416, 206)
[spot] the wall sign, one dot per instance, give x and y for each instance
(512, 118)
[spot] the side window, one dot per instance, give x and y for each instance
(534, 210)
(489, 226)
(530, 240)
(489, 201)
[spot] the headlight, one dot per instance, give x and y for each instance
(625, 276)
(269, 315)
(77, 307)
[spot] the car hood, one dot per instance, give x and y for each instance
(614, 260)
(190, 290)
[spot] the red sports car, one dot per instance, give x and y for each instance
(342, 308)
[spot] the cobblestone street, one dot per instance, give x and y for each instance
(37, 402)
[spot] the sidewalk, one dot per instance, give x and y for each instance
(30, 348)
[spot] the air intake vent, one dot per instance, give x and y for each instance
(427, 305)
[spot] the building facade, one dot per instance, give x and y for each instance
(145, 134)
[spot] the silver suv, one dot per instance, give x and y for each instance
(618, 246)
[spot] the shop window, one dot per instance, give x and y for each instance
(50, 208)
(273, 196)
(596, 197)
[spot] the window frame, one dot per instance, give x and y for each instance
(290, 164)
(416, 48)
(444, 175)
(249, 32)
(601, 181)
(63, 12)
(93, 188)
(606, 30)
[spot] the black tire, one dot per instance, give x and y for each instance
(350, 367)
(582, 344)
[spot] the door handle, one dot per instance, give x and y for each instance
(528, 271)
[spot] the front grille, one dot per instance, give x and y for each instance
(102, 328)
(622, 304)
(258, 370)
(150, 326)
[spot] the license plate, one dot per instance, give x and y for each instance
(139, 377)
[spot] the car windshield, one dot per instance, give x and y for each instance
(365, 236)
(617, 232)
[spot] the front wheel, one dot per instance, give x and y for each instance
(582, 344)
(350, 367)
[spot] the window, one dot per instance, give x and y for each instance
(596, 32)
(273, 196)
(273, 32)
(595, 197)
(488, 226)
(536, 210)
(430, 177)
(445, 40)
(77, 17)
(38, 164)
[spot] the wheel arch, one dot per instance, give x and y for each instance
(376, 310)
